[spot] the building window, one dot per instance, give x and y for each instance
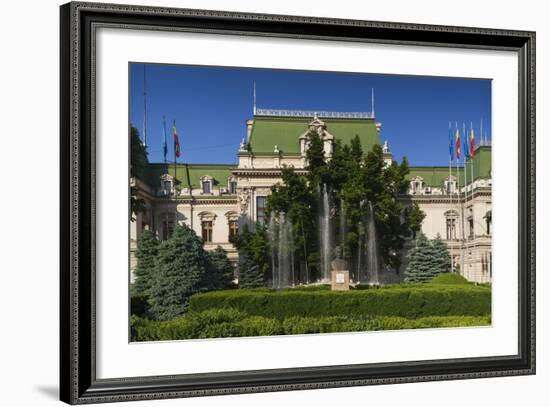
(451, 220)
(471, 225)
(206, 187)
(233, 229)
(206, 226)
(167, 187)
(232, 187)
(451, 228)
(260, 209)
(167, 226)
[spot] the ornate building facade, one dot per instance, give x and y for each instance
(217, 200)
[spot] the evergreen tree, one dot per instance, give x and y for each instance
(221, 271)
(442, 259)
(254, 261)
(427, 259)
(182, 266)
(146, 253)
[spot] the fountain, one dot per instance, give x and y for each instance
(282, 251)
(373, 263)
(325, 234)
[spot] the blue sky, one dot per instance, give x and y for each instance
(211, 106)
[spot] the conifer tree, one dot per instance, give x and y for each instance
(181, 269)
(443, 259)
(146, 253)
(427, 259)
(221, 272)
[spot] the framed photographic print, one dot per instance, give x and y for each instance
(255, 203)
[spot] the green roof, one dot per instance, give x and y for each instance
(219, 172)
(284, 132)
(435, 176)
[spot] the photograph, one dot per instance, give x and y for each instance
(269, 202)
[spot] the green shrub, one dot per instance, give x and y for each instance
(231, 323)
(449, 278)
(213, 323)
(404, 301)
(139, 305)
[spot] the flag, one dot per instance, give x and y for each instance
(457, 143)
(472, 142)
(465, 143)
(450, 142)
(177, 151)
(164, 142)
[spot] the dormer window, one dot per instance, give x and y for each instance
(206, 184)
(232, 185)
(450, 185)
(417, 185)
(166, 185)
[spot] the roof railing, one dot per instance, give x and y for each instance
(313, 113)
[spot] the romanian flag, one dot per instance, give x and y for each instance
(472, 143)
(457, 143)
(177, 151)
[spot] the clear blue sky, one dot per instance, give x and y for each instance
(211, 106)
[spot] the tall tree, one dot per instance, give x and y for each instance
(221, 271)
(414, 217)
(254, 262)
(181, 269)
(146, 255)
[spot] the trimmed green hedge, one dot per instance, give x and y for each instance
(219, 323)
(215, 323)
(403, 301)
(449, 278)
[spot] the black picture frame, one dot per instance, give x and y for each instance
(78, 382)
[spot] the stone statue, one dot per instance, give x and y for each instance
(242, 146)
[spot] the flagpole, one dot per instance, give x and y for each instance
(459, 201)
(144, 106)
(451, 196)
(175, 175)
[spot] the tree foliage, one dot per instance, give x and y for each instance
(254, 262)
(427, 259)
(182, 270)
(221, 271)
(146, 253)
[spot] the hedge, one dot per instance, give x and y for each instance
(449, 278)
(218, 323)
(403, 301)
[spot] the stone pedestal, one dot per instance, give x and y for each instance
(339, 280)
